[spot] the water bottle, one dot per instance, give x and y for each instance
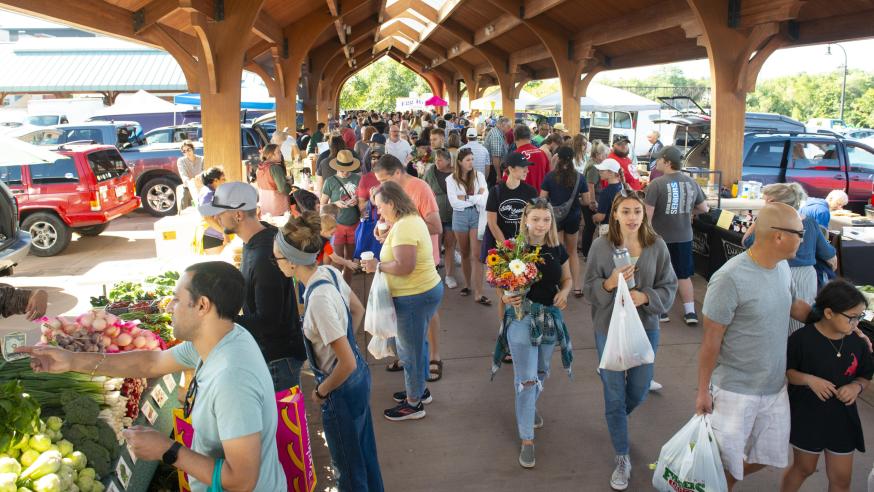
(622, 258)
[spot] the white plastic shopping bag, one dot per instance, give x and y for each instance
(627, 345)
(380, 319)
(381, 348)
(690, 460)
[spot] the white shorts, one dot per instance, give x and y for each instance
(751, 429)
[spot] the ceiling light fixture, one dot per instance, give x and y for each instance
(490, 29)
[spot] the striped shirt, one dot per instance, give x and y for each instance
(496, 144)
(481, 157)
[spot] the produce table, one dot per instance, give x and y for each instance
(712, 246)
(141, 472)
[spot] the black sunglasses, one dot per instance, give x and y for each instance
(191, 394)
(226, 207)
(798, 233)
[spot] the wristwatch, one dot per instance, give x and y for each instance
(172, 454)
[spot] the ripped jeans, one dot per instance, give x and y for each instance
(530, 369)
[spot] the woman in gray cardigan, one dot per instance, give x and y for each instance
(654, 291)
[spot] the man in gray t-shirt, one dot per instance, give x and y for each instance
(742, 360)
(671, 200)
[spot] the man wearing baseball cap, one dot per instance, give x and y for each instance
(620, 155)
(269, 311)
(481, 158)
(671, 201)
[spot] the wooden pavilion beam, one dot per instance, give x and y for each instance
(267, 29)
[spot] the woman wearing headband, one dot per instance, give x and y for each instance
(342, 377)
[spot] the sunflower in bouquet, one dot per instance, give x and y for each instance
(512, 266)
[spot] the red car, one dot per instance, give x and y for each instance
(81, 192)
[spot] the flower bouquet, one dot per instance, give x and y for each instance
(512, 266)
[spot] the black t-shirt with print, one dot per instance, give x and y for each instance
(826, 424)
(512, 204)
(544, 290)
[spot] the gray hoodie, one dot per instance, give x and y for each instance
(654, 277)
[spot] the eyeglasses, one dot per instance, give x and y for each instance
(798, 233)
(374, 157)
(853, 320)
(191, 394)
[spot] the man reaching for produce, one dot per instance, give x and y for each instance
(230, 400)
(22, 301)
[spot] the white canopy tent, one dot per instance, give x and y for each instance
(598, 98)
(493, 101)
(141, 102)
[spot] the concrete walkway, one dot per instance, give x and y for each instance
(468, 441)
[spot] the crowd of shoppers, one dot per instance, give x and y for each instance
(766, 382)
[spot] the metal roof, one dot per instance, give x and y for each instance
(121, 69)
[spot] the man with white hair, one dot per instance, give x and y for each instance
(481, 157)
(397, 146)
(656, 147)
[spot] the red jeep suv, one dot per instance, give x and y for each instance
(88, 186)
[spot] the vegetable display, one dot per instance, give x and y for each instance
(99, 331)
(44, 461)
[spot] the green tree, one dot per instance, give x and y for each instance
(667, 81)
(378, 85)
(805, 96)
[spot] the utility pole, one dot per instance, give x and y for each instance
(844, 83)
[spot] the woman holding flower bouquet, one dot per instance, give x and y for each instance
(655, 286)
(533, 270)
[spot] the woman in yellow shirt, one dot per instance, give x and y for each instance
(408, 262)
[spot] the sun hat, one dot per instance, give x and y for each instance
(345, 161)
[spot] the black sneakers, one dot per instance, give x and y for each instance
(405, 412)
(402, 396)
(690, 319)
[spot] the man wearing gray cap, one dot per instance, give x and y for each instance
(671, 200)
(269, 310)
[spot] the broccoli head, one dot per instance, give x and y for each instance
(81, 410)
(106, 437)
(98, 457)
(77, 433)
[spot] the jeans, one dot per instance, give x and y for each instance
(530, 365)
(348, 428)
(285, 373)
(414, 312)
(623, 392)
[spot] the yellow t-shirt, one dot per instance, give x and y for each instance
(411, 231)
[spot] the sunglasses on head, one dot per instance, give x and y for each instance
(226, 207)
(798, 233)
(629, 193)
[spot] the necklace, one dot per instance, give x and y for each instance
(837, 349)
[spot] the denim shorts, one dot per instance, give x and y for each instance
(681, 259)
(465, 220)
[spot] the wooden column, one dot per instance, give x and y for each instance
(220, 61)
(733, 71)
(454, 97)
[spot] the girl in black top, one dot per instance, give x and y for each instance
(827, 367)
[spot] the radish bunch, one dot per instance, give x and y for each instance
(98, 331)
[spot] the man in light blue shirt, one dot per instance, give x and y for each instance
(230, 400)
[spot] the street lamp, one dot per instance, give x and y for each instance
(844, 84)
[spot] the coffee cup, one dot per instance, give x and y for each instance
(382, 226)
(366, 255)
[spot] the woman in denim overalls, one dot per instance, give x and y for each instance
(342, 377)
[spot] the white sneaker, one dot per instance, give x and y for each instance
(619, 480)
(655, 386)
(450, 282)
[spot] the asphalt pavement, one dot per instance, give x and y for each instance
(468, 439)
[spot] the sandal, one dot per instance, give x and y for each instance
(394, 366)
(465, 291)
(578, 293)
(438, 373)
(485, 301)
